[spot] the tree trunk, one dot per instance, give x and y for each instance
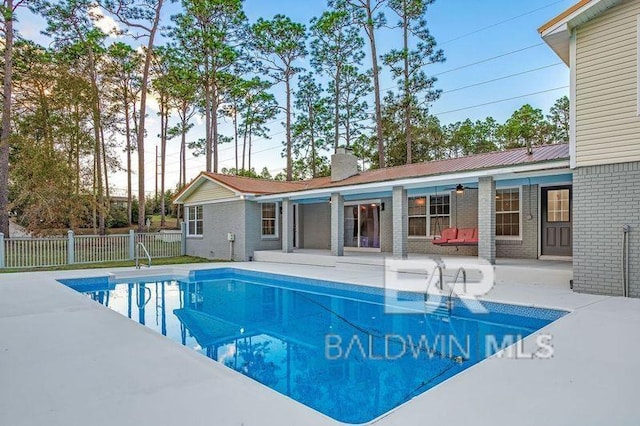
(235, 132)
(336, 94)
(207, 115)
(77, 148)
(6, 120)
(347, 120)
(250, 130)
(183, 158)
(214, 127)
(106, 170)
(143, 111)
(288, 129)
(244, 143)
(163, 155)
(183, 144)
(407, 94)
(376, 84)
(128, 136)
(314, 171)
(97, 129)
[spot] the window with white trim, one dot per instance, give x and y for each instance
(428, 216)
(439, 214)
(195, 225)
(508, 212)
(269, 222)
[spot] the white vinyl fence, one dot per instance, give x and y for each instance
(75, 249)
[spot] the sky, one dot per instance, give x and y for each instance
(495, 63)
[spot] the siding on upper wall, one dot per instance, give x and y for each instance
(607, 121)
(209, 191)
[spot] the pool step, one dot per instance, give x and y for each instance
(437, 308)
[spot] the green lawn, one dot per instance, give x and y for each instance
(161, 261)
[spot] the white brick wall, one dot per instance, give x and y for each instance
(605, 198)
(487, 219)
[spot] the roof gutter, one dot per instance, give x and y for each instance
(551, 167)
(557, 32)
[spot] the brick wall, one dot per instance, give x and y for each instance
(487, 219)
(315, 231)
(605, 198)
(527, 247)
(386, 226)
(464, 214)
(218, 220)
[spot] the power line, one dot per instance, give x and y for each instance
(488, 59)
(513, 18)
(461, 109)
(502, 55)
(500, 100)
(502, 78)
(461, 88)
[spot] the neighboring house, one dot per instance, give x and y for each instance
(600, 41)
(398, 210)
(119, 202)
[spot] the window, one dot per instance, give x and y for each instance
(194, 221)
(437, 218)
(418, 216)
(558, 205)
(439, 214)
(269, 220)
(508, 212)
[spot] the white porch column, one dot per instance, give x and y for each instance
(400, 222)
(337, 225)
(487, 219)
(287, 226)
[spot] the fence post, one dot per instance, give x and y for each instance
(71, 248)
(132, 244)
(183, 238)
(2, 262)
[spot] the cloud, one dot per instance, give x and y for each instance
(106, 23)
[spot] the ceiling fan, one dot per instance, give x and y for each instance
(460, 188)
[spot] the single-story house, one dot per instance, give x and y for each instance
(578, 201)
(519, 202)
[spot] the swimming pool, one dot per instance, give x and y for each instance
(328, 345)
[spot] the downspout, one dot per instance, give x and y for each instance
(625, 260)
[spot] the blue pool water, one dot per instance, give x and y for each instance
(327, 345)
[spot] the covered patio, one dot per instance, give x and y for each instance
(515, 207)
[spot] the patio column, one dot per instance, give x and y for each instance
(287, 225)
(337, 225)
(487, 219)
(400, 222)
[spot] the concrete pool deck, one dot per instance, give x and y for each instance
(65, 360)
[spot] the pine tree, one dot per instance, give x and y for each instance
(279, 43)
(407, 65)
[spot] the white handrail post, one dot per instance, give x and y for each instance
(71, 253)
(132, 244)
(183, 238)
(2, 262)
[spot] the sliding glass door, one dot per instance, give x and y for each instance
(362, 226)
